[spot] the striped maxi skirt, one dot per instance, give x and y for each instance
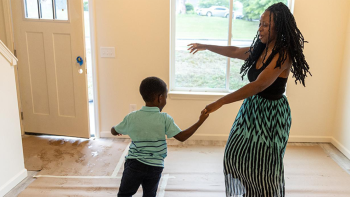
(253, 159)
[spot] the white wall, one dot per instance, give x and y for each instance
(342, 125)
(313, 107)
(2, 24)
(139, 30)
(12, 169)
(141, 38)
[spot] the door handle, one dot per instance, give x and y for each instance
(80, 60)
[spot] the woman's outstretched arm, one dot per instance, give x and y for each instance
(228, 51)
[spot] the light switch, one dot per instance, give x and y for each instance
(107, 51)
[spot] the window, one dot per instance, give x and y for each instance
(46, 9)
(215, 22)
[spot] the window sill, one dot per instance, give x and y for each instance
(185, 95)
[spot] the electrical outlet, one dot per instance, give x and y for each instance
(132, 107)
(107, 51)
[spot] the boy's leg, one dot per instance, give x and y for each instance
(151, 182)
(131, 180)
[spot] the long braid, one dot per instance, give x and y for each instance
(268, 41)
(289, 42)
(255, 50)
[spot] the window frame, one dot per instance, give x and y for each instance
(24, 8)
(198, 92)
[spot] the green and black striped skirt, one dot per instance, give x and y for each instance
(253, 159)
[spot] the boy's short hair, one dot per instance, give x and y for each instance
(151, 88)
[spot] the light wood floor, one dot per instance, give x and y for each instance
(329, 149)
(332, 152)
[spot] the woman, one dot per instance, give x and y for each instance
(253, 159)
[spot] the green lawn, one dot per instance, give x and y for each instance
(192, 26)
(206, 70)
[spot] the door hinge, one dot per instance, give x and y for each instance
(22, 115)
(15, 52)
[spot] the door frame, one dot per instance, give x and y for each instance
(6, 4)
(8, 24)
(94, 68)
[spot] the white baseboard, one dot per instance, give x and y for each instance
(210, 137)
(225, 136)
(341, 147)
(108, 134)
(298, 138)
(13, 182)
(292, 138)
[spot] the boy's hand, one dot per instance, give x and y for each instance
(114, 132)
(185, 134)
(204, 115)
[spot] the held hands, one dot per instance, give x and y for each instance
(195, 47)
(203, 115)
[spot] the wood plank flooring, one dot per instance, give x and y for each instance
(329, 149)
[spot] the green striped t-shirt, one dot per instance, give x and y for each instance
(147, 129)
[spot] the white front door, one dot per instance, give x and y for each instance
(48, 39)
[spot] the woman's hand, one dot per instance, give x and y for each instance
(195, 47)
(213, 106)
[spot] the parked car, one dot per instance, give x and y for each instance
(239, 15)
(214, 11)
(219, 11)
(197, 10)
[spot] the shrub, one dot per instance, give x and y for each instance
(189, 7)
(191, 12)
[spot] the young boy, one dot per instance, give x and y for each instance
(147, 128)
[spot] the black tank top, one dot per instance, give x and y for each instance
(275, 90)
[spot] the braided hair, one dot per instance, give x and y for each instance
(289, 42)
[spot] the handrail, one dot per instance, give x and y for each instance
(7, 54)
